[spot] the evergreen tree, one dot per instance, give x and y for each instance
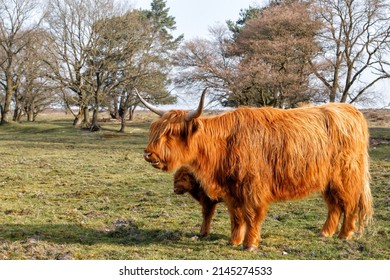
(164, 23)
(245, 15)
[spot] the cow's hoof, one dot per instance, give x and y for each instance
(325, 234)
(234, 244)
(347, 236)
(251, 248)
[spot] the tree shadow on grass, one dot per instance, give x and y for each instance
(126, 233)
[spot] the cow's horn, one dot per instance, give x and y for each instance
(196, 113)
(151, 107)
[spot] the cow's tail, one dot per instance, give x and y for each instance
(365, 206)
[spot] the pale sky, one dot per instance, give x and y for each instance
(194, 17)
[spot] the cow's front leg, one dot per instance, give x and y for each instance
(253, 217)
(208, 210)
(237, 224)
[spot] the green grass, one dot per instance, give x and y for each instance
(71, 194)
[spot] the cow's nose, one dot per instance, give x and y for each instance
(147, 155)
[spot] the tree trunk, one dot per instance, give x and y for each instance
(95, 126)
(114, 113)
(82, 119)
(332, 95)
(79, 118)
(30, 112)
(131, 112)
(18, 108)
(95, 115)
(17, 114)
(5, 113)
(87, 118)
(123, 124)
(122, 115)
(30, 116)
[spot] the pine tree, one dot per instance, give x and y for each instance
(164, 23)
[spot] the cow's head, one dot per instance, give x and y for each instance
(184, 181)
(170, 136)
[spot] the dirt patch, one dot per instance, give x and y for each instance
(374, 142)
(377, 117)
(113, 136)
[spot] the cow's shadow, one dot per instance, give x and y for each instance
(128, 234)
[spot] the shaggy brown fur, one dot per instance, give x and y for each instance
(184, 181)
(252, 157)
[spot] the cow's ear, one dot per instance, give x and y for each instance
(194, 126)
(190, 128)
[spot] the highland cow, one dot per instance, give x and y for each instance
(252, 157)
(184, 181)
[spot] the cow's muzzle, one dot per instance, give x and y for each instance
(179, 190)
(147, 156)
(152, 159)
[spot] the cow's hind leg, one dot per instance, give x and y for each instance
(342, 198)
(348, 226)
(352, 183)
(334, 212)
(350, 203)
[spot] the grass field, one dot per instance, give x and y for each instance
(67, 193)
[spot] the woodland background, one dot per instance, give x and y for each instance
(89, 56)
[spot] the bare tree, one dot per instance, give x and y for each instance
(103, 51)
(144, 57)
(130, 53)
(202, 62)
(35, 91)
(16, 24)
(121, 60)
(355, 52)
(70, 24)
